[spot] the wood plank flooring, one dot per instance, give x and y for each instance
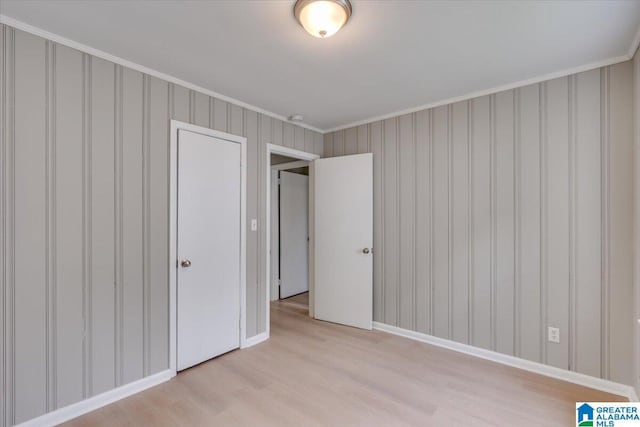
(313, 373)
(301, 300)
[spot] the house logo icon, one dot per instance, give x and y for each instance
(585, 415)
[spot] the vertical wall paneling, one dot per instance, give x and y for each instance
(182, 104)
(571, 82)
(8, 224)
(422, 221)
(131, 225)
(470, 231)
(236, 120)
(212, 104)
(265, 130)
(192, 106)
(587, 224)
(481, 222)
(517, 224)
(298, 137)
(528, 330)
(328, 145)
(50, 226)
(391, 232)
(146, 221)
(86, 224)
(68, 214)
(161, 106)
(493, 301)
(378, 217)
(459, 195)
(339, 143)
(277, 132)
(544, 223)
(440, 264)
(318, 142)
(308, 141)
(351, 141)
(103, 283)
(504, 149)
(29, 341)
(288, 139)
(605, 225)
(200, 109)
(364, 144)
(250, 120)
(636, 214)
(621, 222)
(557, 218)
(220, 109)
(407, 201)
(118, 232)
(431, 291)
(4, 254)
(450, 258)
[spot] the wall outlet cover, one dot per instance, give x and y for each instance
(554, 335)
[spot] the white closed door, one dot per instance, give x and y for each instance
(343, 239)
(208, 282)
(294, 234)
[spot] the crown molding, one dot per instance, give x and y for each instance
(496, 89)
(23, 26)
(4, 19)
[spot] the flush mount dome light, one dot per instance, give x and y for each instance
(322, 18)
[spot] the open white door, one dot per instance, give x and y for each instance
(294, 234)
(208, 282)
(342, 225)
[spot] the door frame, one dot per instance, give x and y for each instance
(177, 125)
(275, 214)
(296, 154)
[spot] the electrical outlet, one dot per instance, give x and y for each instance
(554, 335)
(254, 224)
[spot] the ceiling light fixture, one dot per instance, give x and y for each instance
(322, 18)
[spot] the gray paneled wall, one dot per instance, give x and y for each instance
(636, 212)
(497, 217)
(84, 219)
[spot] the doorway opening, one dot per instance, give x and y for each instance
(287, 233)
(340, 248)
(290, 231)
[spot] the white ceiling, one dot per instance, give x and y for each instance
(391, 56)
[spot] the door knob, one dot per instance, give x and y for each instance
(365, 251)
(186, 263)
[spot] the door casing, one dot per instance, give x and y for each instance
(173, 226)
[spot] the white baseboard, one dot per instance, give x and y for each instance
(516, 362)
(256, 339)
(91, 404)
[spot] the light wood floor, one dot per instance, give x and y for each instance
(301, 300)
(313, 373)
